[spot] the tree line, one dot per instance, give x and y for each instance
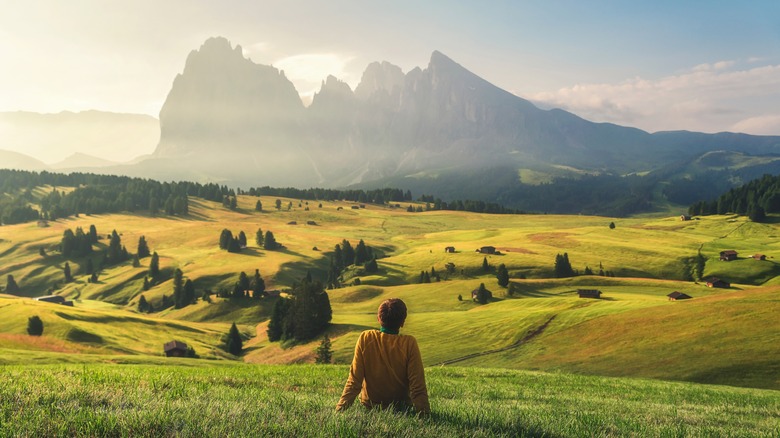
(755, 199)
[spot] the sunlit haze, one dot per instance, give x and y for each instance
(703, 66)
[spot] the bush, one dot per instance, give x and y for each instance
(34, 326)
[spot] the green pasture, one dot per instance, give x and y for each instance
(721, 336)
(203, 398)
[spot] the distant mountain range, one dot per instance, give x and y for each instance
(52, 138)
(440, 130)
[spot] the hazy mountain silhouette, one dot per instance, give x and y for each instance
(240, 122)
(53, 137)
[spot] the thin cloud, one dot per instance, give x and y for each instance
(765, 125)
(709, 97)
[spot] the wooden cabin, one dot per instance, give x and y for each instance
(487, 250)
(450, 249)
(589, 293)
(717, 282)
(175, 349)
(727, 256)
(758, 257)
(674, 296)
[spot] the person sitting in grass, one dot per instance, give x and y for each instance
(387, 369)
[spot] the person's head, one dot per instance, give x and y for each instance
(392, 314)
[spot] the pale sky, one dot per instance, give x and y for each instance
(657, 65)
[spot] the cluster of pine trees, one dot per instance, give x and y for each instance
(754, 199)
(96, 194)
(344, 255)
(432, 204)
(378, 196)
(303, 316)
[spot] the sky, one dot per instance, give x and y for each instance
(699, 65)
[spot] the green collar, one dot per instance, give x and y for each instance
(388, 331)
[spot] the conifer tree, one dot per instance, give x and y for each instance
(483, 295)
(234, 342)
(485, 265)
(258, 206)
(189, 293)
(242, 239)
(324, 352)
(66, 271)
(269, 242)
(348, 253)
(143, 305)
(259, 238)
(93, 235)
(258, 285)
(178, 289)
(502, 275)
(146, 285)
(136, 262)
(154, 266)
(34, 326)
(361, 253)
(275, 328)
(372, 266)
(224, 238)
(10, 286)
(278, 204)
(143, 248)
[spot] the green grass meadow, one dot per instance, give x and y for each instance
(193, 399)
(537, 362)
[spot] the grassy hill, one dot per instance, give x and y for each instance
(720, 336)
(204, 398)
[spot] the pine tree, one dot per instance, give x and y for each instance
(611, 225)
(154, 266)
(143, 305)
(259, 238)
(361, 253)
(258, 285)
(224, 238)
(93, 235)
(234, 342)
(324, 352)
(338, 258)
(278, 204)
(90, 267)
(188, 296)
(242, 239)
(275, 328)
(502, 275)
(483, 295)
(115, 248)
(146, 285)
(258, 206)
(143, 248)
(66, 271)
(563, 267)
(348, 253)
(372, 266)
(34, 326)
(178, 289)
(485, 265)
(234, 246)
(11, 287)
(136, 262)
(269, 242)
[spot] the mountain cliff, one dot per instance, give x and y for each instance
(235, 121)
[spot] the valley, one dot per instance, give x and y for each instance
(723, 336)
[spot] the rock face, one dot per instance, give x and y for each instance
(232, 120)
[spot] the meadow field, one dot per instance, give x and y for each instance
(219, 398)
(723, 336)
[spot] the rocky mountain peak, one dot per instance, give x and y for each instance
(380, 77)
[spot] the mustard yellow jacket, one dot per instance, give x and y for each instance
(386, 369)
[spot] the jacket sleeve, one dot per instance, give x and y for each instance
(355, 380)
(417, 389)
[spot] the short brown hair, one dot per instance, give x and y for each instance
(392, 313)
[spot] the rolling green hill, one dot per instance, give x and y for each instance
(720, 336)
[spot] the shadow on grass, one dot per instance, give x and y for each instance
(476, 421)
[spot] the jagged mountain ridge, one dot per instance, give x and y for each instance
(225, 110)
